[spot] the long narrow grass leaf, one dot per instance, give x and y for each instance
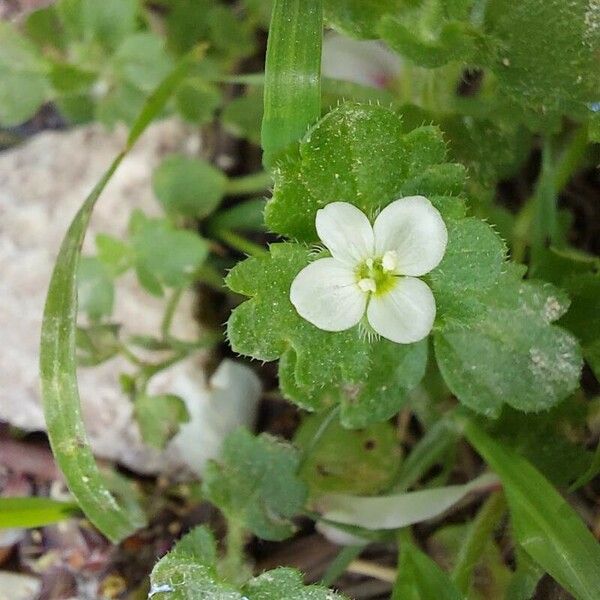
(34, 512)
(58, 364)
(545, 525)
(292, 95)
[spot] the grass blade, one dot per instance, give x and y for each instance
(292, 74)
(34, 512)
(419, 577)
(58, 365)
(545, 525)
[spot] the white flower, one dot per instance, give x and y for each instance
(374, 269)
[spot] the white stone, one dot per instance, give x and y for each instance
(42, 184)
(15, 586)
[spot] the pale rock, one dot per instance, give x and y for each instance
(16, 586)
(42, 184)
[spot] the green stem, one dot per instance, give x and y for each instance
(209, 276)
(312, 444)
(340, 563)
(233, 565)
(148, 370)
(130, 356)
(536, 221)
(480, 531)
(569, 162)
(240, 243)
(544, 226)
(249, 184)
(165, 326)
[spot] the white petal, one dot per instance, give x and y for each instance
(405, 314)
(325, 294)
(346, 232)
(414, 229)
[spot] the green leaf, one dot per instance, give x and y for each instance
(292, 74)
(23, 77)
(122, 103)
(546, 56)
(159, 418)
(285, 583)
(189, 572)
(34, 512)
(545, 525)
(589, 474)
(188, 186)
(491, 149)
(583, 317)
(502, 348)
(197, 100)
(259, 10)
(394, 511)
(246, 216)
(525, 578)
(58, 361)
(358, 18)
(163, 254)
(45, 28)
(108, 22)
(420, 578)
(114, 254)
(97, 344)
(473, 260)
(428, 451)
(551, 440)
(360, 154)
(141, 60)
(95, 289)
(318, 368)
(488, 574)
(431, 37)
(243, 115)
(69, 79)
(76, 108)
(230, 36)
(363, 461)
(256, 485)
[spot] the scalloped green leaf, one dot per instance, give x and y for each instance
(503, 349)
(358, 154)
(255, 484)
(473, 262)
(318, 368)
(547, 52)
(189, 572)
(286, 583)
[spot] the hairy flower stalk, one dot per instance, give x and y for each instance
(374, 270)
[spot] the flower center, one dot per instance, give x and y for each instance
(376, 275)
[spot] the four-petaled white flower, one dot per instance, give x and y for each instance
(374, 269)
